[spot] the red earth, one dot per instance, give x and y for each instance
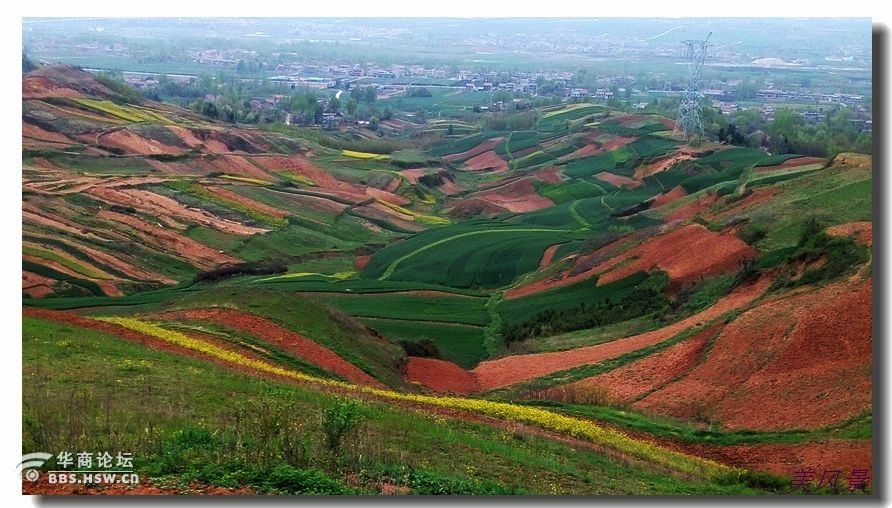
(548, 255)
(199, 255)
(513, 369)
(360, 262)
(688, 253)
(617, 180)
(690, 210)
(440, 375)
(652, 168)
(246, 201)
(518, 195)
(757, 196)
(627, 383)
(589, 149)
(486, 161)
(669, 251)
(617, 142)
(791, 163)
(135, 144)
(668, 197)
(862, 232)
(477, 150)
(290, 341)
(799, 360)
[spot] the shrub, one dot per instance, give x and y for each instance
(338, 421)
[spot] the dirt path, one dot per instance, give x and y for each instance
(548, 255)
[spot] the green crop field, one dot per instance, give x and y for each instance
(461, 344)
(450, 309)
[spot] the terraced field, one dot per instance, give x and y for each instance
(586, 304)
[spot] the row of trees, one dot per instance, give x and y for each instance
(787, 132)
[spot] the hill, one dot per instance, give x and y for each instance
(587, 306)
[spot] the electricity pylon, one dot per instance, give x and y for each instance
(690, 114)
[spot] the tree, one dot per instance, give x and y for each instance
(334, 104)
(351, 106)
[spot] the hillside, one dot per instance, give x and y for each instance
(589, 306)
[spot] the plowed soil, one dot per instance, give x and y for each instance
(135, 144)
(37, 87)
(585, 151)
(33, 131)
(688, 211)
(486, 161)
(186, 248)
(758, 196)
(663, 164)
(796, 361)
(668, 197)
(513, 369)
(627, 383)
(485, 146)
(239, 165)
(37, 286)
(246, 201)
(159, 205)
(617, 142)
(617, 180)
(440, 375)
(689, 253)
(292, 342)
(548, 255)
(517, 196)
(862, 232)
(360, 262)
(795, 162)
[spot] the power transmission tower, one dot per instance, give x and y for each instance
(690, 114)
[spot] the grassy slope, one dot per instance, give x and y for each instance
(124, 396)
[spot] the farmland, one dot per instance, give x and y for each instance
(546, 310)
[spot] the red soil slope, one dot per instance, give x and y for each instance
(688, 211)
(485, 146)
(281, 337)
(629, 382)
(617, 180)
(517, 196)
(548, 255)
(668, 197)
(513, 369)
(800, 360)
(862, 232)
(440, 375)
(686, 254)
(199, 255)
(487, 160)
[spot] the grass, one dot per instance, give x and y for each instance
(520, 309)
(230, 429)
(520, 390)
(460, 344)
(64, 261)
(857, 427)
(124, 112)
(205, 195)
(447, 309)
(464, 256)
(569, 426)
(85, 285)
